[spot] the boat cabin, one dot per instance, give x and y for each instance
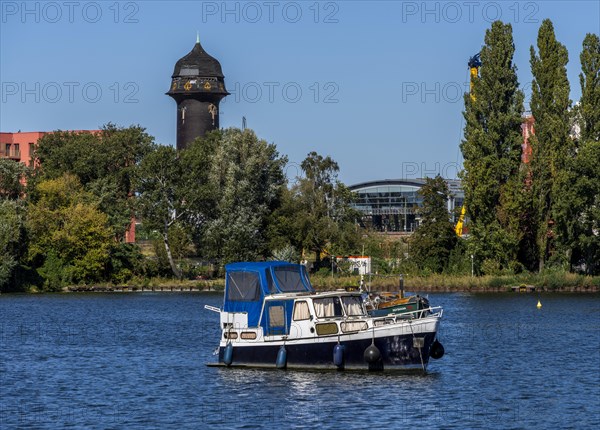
(275, 300)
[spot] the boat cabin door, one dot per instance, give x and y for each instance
(277, 317)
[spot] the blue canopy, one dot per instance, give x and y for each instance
(247, 284)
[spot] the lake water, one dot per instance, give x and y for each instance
(137, 361)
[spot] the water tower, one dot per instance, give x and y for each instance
(197, 85)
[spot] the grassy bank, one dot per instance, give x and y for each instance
(548, 281)
(149, 284)
(551, 281)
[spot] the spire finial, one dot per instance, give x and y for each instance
(197, 36)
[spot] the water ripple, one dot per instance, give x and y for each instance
(138, 361)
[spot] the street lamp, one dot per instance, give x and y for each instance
(472, 266)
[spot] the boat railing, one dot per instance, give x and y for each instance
(431, 312)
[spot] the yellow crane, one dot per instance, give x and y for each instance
(474, 65)
(461, 220)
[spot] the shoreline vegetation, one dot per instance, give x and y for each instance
(530, 218)
(544, 282)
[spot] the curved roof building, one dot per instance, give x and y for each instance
(390, 205)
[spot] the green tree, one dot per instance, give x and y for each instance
(12, 174)
(163, 195)
(582, 203)
(282, 231)
(69, 236)
(126, 261)
(175, 196)
(492, 149)
(247, 176)
(12, 239)
(584, 206)
(589, 79)
(104, 162)
(434, 239)
(323, 221)
(552, 147)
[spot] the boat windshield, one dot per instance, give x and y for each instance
(289, 279)
(243, 286)
(353, 306)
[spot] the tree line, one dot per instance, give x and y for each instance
(544, 214)
(224, 198)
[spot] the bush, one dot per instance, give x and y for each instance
(497, 282)
(491, 267)
(55, 273)
(553, 278)
(126, 260)
(323, 272)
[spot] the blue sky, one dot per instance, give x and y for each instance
(377, 85)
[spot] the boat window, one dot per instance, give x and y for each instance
(276, 316)
(327, 328)
(353, 306)
(243, 286)
(289, 279)
(349, 326)
(328, 307)
(301, 311)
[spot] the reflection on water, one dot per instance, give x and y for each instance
(138, 361)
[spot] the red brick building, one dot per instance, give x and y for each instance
(19, 146)
(528, 130)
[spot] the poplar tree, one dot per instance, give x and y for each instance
(552, 147)
(492, 150)
(584, 201)
(589, 78)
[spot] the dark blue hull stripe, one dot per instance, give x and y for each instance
(396, 352)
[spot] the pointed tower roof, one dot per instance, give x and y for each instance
(198, 63)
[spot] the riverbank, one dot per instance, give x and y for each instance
(390, 288)
(545, 282)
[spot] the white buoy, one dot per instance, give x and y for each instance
(539, 305)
